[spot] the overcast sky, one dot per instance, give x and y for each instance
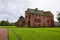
(13, 9)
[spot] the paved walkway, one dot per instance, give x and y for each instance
(3, 34)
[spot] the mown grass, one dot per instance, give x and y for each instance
(11, 35)
(7, 26)
(32, 33)
(36, 33)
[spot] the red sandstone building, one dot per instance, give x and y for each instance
(38, 18)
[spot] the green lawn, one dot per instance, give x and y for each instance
(7, 26)
(15, 33)
(11, 35)
(34, 33)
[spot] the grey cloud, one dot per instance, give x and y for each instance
(12, 9)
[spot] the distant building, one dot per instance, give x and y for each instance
(38, 18)
(21, 22)
(57, 24)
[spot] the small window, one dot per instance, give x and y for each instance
(26, 16)
(44, 24)
(34, 24)
(43, 17)
(39, 16)
(29, 16)
(51, 21)
(37, 20)
(38, 24)
(48, 21)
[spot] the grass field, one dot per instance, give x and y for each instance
(34, 33)
(7, 26)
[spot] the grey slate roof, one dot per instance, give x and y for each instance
(39, 12)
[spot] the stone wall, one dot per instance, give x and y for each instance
(44, 20)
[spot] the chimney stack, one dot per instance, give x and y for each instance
(36, 9)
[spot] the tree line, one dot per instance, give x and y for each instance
(6, 23)
(58, 17)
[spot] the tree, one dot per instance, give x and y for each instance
(4, 23)
(58, 17)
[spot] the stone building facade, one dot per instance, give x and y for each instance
(38, 18)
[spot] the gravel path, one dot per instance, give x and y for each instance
(3, 34)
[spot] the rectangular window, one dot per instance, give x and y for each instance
(44, 24)
(48, 21)
(26, 16)
(38, 25)
(37, 20)
(29, 16)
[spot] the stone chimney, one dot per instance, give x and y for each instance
(36, 9)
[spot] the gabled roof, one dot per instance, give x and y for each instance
(21, 18)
